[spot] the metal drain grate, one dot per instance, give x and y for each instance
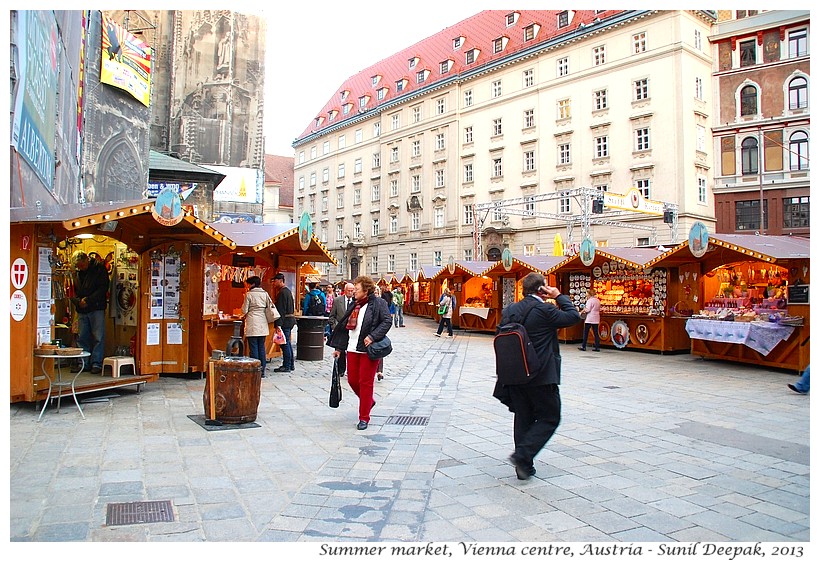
(407, 420)
(612, 387)
(139, 512)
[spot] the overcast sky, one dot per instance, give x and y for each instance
(312, 48)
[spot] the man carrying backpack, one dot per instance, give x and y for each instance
(537, 403)
(314, 303)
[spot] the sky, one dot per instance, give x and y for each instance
(316, 49)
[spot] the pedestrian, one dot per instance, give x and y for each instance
(256, 301)
(341, 305)
(311, 307)
(398, 302)
(536, 405)
(366, 321)
(445, 307)
(90, 300)
(286, 320)
(802, 385)
(592, 318)
(329, 297)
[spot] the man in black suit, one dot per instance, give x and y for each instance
(537, 404)
(337, 312)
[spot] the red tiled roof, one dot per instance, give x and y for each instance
(479, 32)
(279, 170)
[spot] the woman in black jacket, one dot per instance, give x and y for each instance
(368, 320)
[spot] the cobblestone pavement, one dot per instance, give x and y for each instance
(652, 448)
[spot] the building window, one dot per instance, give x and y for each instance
(440, 141)
(374, 265)
(440, 178)
(438, 217)
(639, 43)
(415, 220)
(415, 148)
(457, 43)
(529, 206)
(562, 66)
(643, 188)
(796, 212)
(417, 114)
(529, 78)
(747, 215)
(340, 199)
(441, 106)
(375, 192)
(641, 89)
(420, 76)
(415, 184)
(497, 127)
(563, 19)
(342, 141)
(749, 156)
(340, 232)
(302, 157)
(324, 202)
(468, 98)
(799, 151)
(325, 175)
(341, 171)
(511, 18)
(497, 169)
(444, 67)
(496, 88)
(301, 183)
(748, 100)
(599, 100)
(564, 205)
(642, 139)
(798, 93)
(564, 109)
(313, 179)
(357, 230)
(357, 196)
(468, 173)
(394, 188)
(699, 88)
(698, 40)
(391, 262)
(394, 154)
(701, 189)
(469, 56)
(599, 55)
(468, 214)
(468, 135)
(357, 166)
(498, 45)
(529, 160)
(529, 33)
(748, 53)
(377, 129)
(468, 254)
(375, 228)
(394, 121)
(394, 224)
(601, 147)
(377, 160)
(414, 261)
(529, 118)
(798, 43)
(326, 147)
(564, 155)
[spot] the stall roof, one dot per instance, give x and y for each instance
(410, 276)
(740, 247)
(130, 222)
(279, 238)
(631, 257)
(159, 163)
(472, 268)
(428, 271)
(538, 264)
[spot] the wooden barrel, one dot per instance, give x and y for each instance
(233, 387)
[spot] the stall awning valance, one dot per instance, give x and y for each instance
(538, 264)
(278, 238)
(469, 268)
(739, 247)
(635, 258)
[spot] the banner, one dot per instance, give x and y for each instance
(241, 185)
(632, 200)
(126, 61)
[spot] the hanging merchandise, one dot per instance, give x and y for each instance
(126, 287)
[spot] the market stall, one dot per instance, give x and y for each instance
(506, 276)
(745, 298)
(634, 299)
(473, 291)
(419, 301)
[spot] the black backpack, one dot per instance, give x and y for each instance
(516, 361)
(316, 307)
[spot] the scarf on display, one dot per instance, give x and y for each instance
(354, 316)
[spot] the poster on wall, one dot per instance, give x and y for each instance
(171, 293)
(210, 302)
(157, 287)
(126, 61)
(507, 290)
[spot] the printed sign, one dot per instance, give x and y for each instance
(698, 239)
(19, 273)
(18, 305)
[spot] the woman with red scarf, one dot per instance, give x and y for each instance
(367, 320)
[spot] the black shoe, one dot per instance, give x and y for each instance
(76, 369)
(596, 349)
(96, 370)
(522, 470)
(379, 376)
(582, 348)
(361, 425)
(794, 388)
(282, 369)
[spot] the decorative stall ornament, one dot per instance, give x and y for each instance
(698, 239)
(167, 209)
(620, 334)
(305, 231)
(506, 259)
(642, 334)
(587, 251)
(451, 265)
(603, 331)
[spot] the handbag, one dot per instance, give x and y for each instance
(271, 314)
(335, 386)
(442, 310)
(278, 336)
(379, 349)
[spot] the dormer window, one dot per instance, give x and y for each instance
(458, 42)
(331, 115)
(381, 93)
(319, 121)
(531, 31)
(401, 84)
(565, 18)
(511, 18)
(422, 75)
(445, 66)
(363, 101)
(471, 56)
(343, 94)
(375, 79)
(412, 63)
(346, 108)
(499, 44)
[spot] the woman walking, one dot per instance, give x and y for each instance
(592, 317)
(368, 320)
(445, 304)
(256, 323)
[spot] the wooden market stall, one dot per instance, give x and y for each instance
(419, 301)
(260, 249)
(745, 299)
(135, 245)
(506, 284)
(634, 299)
(472, 290)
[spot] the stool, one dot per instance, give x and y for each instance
(117, 363)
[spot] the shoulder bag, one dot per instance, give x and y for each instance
(271, 314)
(379, 349)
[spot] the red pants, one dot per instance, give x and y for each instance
(361, 372)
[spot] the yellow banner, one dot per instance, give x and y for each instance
(632, 200)
(126, 61)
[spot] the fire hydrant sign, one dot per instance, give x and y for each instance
(19, 305)
(19, 273)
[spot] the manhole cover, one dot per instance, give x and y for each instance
(139, 512)
(407, 420)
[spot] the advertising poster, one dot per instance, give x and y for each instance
(126, 62)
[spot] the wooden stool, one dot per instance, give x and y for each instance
(117, 363)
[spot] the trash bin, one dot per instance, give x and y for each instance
(233, 388)
(310, 339)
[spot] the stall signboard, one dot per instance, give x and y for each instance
(798, 294)
(632, 200)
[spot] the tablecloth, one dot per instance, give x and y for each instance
(482, 312)
(763, 337)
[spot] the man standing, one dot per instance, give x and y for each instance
(337, 312)
(286, 320)
(537, 403)
(91, 300)
(311, 306)
(398, 302)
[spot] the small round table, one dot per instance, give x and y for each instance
(59, 382)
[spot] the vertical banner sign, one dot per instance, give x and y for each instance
(126, 61)
(35, 102)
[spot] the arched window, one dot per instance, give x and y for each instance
(748, 100)
(749, 156)
(799, 151)
(798, 93)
